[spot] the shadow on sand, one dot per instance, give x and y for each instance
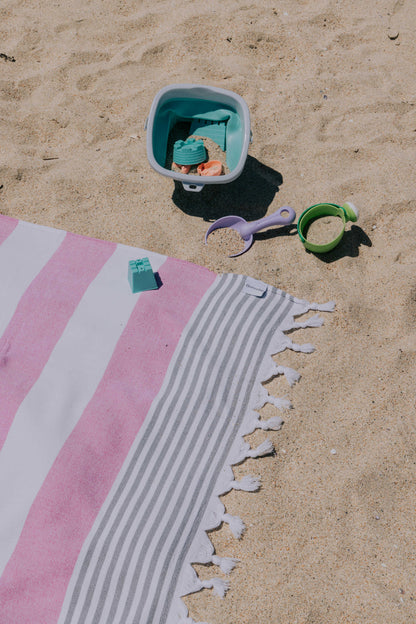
(349, 246)
(249, 196)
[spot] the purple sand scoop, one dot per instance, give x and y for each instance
(284, 216)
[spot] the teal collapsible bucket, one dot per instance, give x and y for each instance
(218, 114)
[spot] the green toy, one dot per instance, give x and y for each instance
(347, 212)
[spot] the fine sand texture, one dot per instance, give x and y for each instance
(331, 89)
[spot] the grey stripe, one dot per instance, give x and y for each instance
(220, 463)
(208, 488)
(217, 288)
(197, 326)
(198, 467)
(234, 303)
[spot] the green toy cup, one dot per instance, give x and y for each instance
(347, 212)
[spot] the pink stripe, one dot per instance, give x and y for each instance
(7, 225)
(41, 316)
(36, 578)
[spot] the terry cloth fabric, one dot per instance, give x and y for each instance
(121, 415)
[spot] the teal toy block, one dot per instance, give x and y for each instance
(189, 152)
(141, 276)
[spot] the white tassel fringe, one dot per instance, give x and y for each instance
(313, 321)
(274, 423)
(244, 450)
(265, 448)
(219, 586)
(246, 484)
(304, 348)
(237, 526)
(323, 307)
(291, 375)
(278, 402)
(226, 564)
(264, 397)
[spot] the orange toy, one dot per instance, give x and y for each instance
(210, 168)
(183, 168)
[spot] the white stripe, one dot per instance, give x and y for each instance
(54, 405)
(22, 256)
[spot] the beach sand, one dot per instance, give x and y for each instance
(331, 88)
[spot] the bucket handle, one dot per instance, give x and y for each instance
(196, 188)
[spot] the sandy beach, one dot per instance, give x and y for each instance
(331, 89)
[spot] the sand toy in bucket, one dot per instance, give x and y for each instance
(189, 152)
(211, 112)
(210, 168)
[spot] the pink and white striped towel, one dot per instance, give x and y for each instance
(120, 417)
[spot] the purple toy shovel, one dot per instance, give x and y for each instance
(284, 216)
